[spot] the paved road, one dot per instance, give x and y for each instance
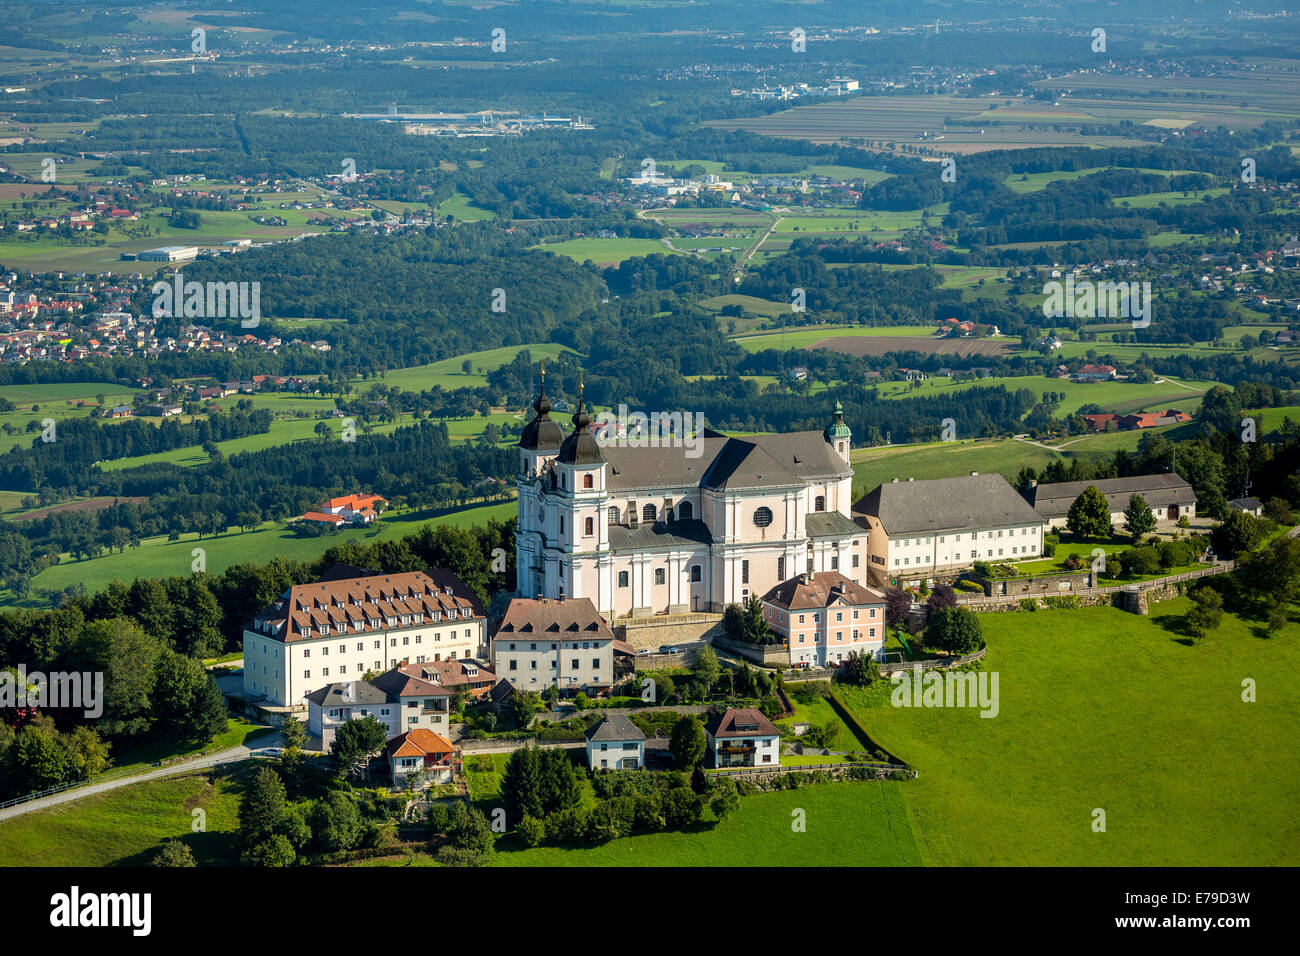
(230, 755)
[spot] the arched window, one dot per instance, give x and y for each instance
(648, 513)
(659, 576)
(613, 514)
(586, 480)
(561, 524)
(762, 517)
(685, 511)
(589, 526)
(819, 503)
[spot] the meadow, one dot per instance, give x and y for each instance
(1101, 709)
(160, 558)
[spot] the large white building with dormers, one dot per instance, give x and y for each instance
(652, 527)
(353, 621)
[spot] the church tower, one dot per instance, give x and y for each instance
(839, 435)
(538, 513)
(583, 501)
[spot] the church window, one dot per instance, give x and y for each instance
(590, 526)
(648, 513)
(622, 579)
(685, 511)
(819, 503)
(586, 481)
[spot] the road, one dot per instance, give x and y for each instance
(230, 755)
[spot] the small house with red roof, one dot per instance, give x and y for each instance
(420, 753)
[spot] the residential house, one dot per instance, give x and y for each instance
(1251, 506)
(824, 617)
(615, 743)
(420, 753)
(333, 705)
(742, 737)
(421, 703)
(1094, 373)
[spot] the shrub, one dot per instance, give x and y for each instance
(531, 831)
(1136, 561)
(954, 629)
(1067, 602)
(1028, 604)
(1073, 562)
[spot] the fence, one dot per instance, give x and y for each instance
(119, 774)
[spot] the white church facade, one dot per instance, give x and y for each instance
(655, 527)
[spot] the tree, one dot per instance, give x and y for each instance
(262, 808)
(1273, 575)
(469, 830)
(1138, 519)
(954, 629)
(187, 702)
(860, 669)
(1239, 533)
(687, 743)
(356, 743)
(706, 668)
(725, 799)
(1089, 516)
(275, 850)
(943, 595)
(897, 604)
(335, 822)
(173, 853)
(1206, 612)
(531, 831)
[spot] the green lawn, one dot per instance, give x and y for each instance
(847, 824)
(1104, 709)
(460, 207)
(1120, 397)
(238, 733)
(125, 826)
(606, 251)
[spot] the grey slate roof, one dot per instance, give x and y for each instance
(659, 535)
(347, 694)
(1246, 504)
(947, 504)
(830, 524)
(1053, 500)
(759, 461)
(615, 727)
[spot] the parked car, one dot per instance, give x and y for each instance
(669, 649)
(644, 650)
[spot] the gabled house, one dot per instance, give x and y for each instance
(742, 737)
(615, 743)
(420, 752)
(824, 617)
(421, 703)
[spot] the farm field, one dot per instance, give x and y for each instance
(605, 252)
(1112, 396)
(874, 466)
(913, 118)
(1104, 709)
(159, 558)
(883, 345)
(805, 336)
(448, 373)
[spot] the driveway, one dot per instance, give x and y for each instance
(230, 755)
